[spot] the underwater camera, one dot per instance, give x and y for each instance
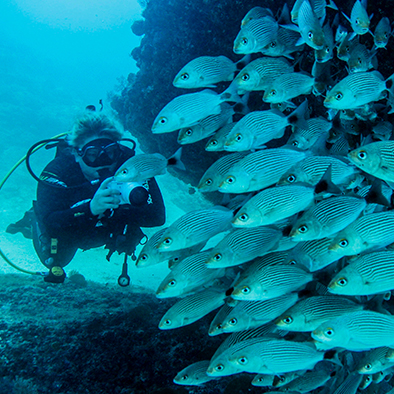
(133, 193)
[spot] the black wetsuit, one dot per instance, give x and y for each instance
(65, 220)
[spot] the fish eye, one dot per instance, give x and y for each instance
(185, 377)
(359, 60)
(243, 360)
(244, 40)
(185, 76)
(124, 171)
(342, 282)
(292, 262)
(362, 155)
(167, 241)
(273, 44)
(245, 77)
(144, 257)
(327, 49)
(245, 290)
(368, 366)
(208, 182)
(281, 378)
(303, 229)
(217, 257)
(310, 35)
(163, 120)
(172, 283)
(357, 21)
(338, 96)
(273, 92)
(329, 332)
(238, 137)
(295, 143)
(167, 322)
(343, 243)
(233, 321)
(291, 178)
(287, 320)
(347, 48)
(219, 367)
(189, 132)
(244, 217)
(230, 179)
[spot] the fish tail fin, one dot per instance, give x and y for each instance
(332, 355)
(242, 107)
(231, 94)
(243, 62)
(298, 116)
(175, 160)
(375, 195)
(326, 185)
(332, 5)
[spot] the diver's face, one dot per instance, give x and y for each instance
(90, 172)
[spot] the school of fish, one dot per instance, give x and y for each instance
(298, 261)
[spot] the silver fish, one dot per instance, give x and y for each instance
(195, 227)
(285, 43)
(259, 170)
(367, 232)
(252, 314)
(355, 90)
(261, 380)
(258, 74)
(374, 361)
(242, 245)
(194, 374)
(205, 71)
(192, 308)
(357, 331)
(361, 59)
(376, 159)
(327, 217)
(370, 273)
(308, 382)
(270, 282)
(145, 166)
(187, 110)
(359, 18)
(216, 142)
(259, 127)
(213, 176)
(206, 127)
(327, 52)
(216, 326)
(383, 130)
(288, 86)
(319, 8)
(255, 35)
(189, 275)
(350, 385)
(310, 313)
(256, 13)
(382, 33)
(346, 46)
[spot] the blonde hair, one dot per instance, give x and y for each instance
(94, 124)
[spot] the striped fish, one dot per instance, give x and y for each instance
(305, 138)
(257, 75)
(357, 331)
(288, 86)
(360, 59)
(319, 8)
(327, 217)
(252, 314)
(276, 356)
(367, 232)
(313, 255)
(216, 142)
(256, 13)
(382, 33)
(194, 374)
(187, 110)
(310, 313)
(370, 273)
(350, 385)
(310, 27)
(308, 382)
(192, 308)
(376, 159)
(285, 43)
(206, 127)
(195, 227)
(216, 326)
(261, 380)
(141, 167)
(242, 245)
(255, 35)
(189, 275)
(270, 282)
(359, 18)
(274, 204)
(311, 169)
(213, 176)
(345, 47)
(327, 52)
(374, 361)
(259, 170)
(356, 90)
(205, 71)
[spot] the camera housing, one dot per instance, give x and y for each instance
(133, 193)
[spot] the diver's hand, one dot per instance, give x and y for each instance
(104, 198)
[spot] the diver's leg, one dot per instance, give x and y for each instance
(23, 225)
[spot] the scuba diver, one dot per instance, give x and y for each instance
(79, 206)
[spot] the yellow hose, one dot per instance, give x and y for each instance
(15, 166)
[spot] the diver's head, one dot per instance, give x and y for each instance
(95, 142)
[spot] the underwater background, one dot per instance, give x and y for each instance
(89, 335)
